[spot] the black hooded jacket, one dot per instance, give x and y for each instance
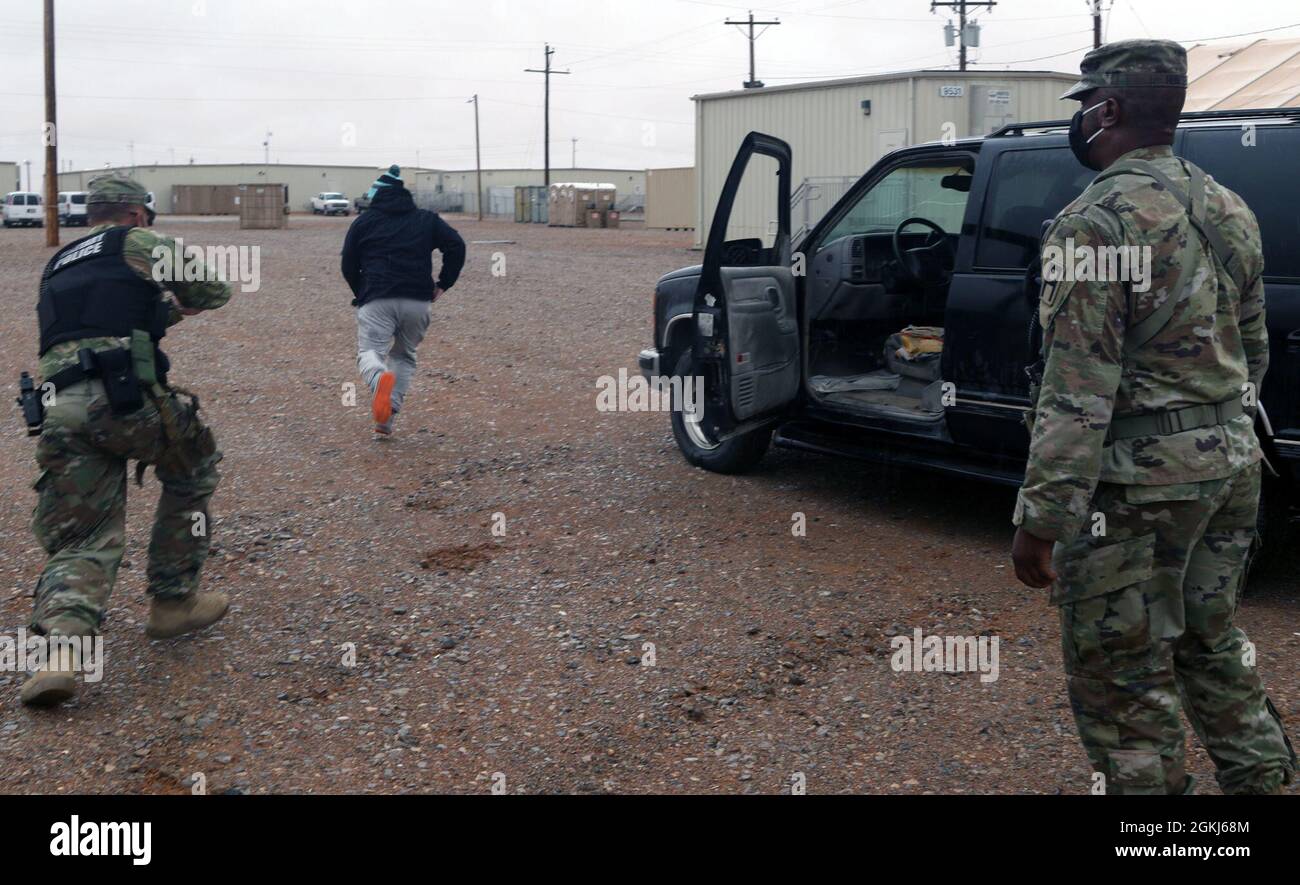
(388, 252)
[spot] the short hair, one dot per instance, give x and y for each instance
(1152, 108)
(97, 213)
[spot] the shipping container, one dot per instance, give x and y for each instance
(263, 206)
(670, 198)
(205, 199)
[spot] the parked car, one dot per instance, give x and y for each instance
(362, 203)
(330, 203)
(23, 208)
(801, 359)
(72, 208)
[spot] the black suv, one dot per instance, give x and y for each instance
(873, 338)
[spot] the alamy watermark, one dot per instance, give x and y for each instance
(32, 653)
(919, 653)
(195, 264)
(627, 392)
(1103, 264)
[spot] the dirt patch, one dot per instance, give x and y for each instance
(461, 558)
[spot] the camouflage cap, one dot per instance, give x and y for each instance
(1131, 64)
(114, 188)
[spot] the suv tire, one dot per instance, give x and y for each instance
(737, 455)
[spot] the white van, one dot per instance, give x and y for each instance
(23, 207)
(72, 208)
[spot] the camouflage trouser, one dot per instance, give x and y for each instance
(1146, 616)
(80, 516)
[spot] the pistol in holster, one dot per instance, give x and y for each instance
(29, 398)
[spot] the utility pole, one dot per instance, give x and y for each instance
(961, 6)
(28, 164)
(266, 149)
(1096, 24)
(547, 130)
(51, 135)
(575, 153)
(752, 82)
(478, 161)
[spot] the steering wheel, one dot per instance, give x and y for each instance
(930, 263)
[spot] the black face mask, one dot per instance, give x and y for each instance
(1078, 144)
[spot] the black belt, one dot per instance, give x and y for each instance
(70, 376)
(84, 371)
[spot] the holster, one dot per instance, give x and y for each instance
(189, 441)
(116, 370)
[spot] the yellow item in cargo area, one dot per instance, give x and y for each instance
(918, 340)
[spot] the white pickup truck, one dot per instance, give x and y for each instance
(330, 203)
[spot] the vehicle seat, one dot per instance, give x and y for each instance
(924, 367)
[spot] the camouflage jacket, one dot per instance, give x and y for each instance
(1212, 346)
(138, 250)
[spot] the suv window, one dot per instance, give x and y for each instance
(910, 191)
(33, 200)
(78, 199)
(1027, 188)
(1263, 175)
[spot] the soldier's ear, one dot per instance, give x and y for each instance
(1112, 113)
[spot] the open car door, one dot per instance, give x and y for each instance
(746, 323)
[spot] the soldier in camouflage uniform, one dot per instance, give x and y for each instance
(102, 310)
(1144, 468)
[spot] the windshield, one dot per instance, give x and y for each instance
(331, 196)
(906, 192)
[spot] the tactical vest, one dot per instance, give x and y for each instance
(89, 291)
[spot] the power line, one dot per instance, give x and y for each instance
(752, 82)
(546, 113)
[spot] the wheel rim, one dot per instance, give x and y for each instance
(695, 433)
(695, 429)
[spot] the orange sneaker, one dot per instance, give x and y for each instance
(381, 407)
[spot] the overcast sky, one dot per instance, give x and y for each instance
(375, 82)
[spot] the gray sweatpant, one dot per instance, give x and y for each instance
(392, 326)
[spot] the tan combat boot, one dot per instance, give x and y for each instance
(47, 688)
(176, 617)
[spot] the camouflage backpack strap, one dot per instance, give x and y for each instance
(1193, 203)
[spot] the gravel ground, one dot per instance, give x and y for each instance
(480, 656)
